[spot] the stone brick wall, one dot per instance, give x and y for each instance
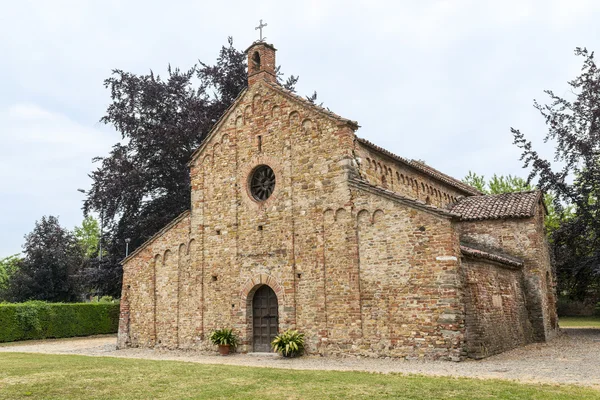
(383, 171)
(200, 274)
(261, 63)
(523, 238)
(496, 308)
(150, 309)
(358, 269)
(245, 242)
(410, 290)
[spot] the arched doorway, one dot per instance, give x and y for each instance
(265, 316)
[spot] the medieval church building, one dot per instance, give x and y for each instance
(296, 222)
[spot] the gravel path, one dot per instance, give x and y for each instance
(571, 358)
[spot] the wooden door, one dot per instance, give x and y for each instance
(265, 318)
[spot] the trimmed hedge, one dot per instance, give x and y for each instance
(39, 320)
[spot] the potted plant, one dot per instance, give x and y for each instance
(289, 343)
(226, 339)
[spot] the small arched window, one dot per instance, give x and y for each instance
(256, 61)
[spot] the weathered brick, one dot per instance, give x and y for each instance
(355, 243)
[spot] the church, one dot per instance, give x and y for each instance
(296, 222)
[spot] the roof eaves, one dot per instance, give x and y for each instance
(432, 172)
(445, 177)
(473, 252)
(256, 42)
(456, 207)
(353, 124)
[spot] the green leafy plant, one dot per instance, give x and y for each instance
(225, 337)
(40, 320)
(289, 343)
(107, 299)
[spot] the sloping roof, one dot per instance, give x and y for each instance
(360, 184)
(419, 166)
(497, 206)
(328, 113)
(353, 124)
(260, 42)
(487, 255)
(426, 169)
(156, 235)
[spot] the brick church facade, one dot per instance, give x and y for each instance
(295, 222)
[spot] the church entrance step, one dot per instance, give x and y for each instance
(263, 354)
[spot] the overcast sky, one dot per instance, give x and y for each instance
(441, 81)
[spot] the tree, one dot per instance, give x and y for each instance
(574, 126)
(144, 182)
(50, 267)
(8, 268)
(498, 184)
(477, 181)
(87, 236)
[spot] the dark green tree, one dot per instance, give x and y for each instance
(573, 124)
(50, 267)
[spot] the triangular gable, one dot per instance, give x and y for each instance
(280, 90)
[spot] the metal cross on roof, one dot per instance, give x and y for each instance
(260, 26)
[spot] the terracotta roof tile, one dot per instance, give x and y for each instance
(497, 206)
(426, 169)
(500, 258)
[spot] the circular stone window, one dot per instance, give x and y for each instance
(262, 182)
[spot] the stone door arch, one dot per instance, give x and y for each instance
(265, 318)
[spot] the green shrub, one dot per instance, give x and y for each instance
(225, 337)
(289, 343)
(107, 299)
(40, 320)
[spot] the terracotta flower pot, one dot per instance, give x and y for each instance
(223, 349)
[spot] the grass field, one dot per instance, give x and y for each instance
(37, 376)
(579, 322)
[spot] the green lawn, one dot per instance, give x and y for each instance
(37, 376)
(579, 322)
